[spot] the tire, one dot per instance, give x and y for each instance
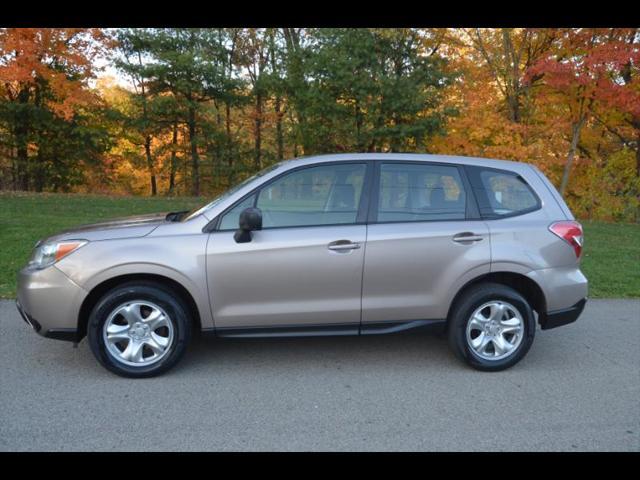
(477, 342)
(139, 329)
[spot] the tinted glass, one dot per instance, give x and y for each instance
(506, 194)
(413, 193)
(230, 219)
(323, 195)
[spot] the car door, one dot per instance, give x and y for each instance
(303, 270)
(422, 242)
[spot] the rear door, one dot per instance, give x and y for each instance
(424, 239)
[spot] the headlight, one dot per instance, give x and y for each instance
(48, 253)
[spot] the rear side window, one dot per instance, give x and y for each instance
(414, 193)
(501, 193)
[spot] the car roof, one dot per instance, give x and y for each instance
(390, 157)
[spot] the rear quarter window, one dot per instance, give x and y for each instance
(501, 193)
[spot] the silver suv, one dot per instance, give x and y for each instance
(354, 244)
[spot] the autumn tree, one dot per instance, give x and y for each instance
(46, 103)
(189, 64)
(583, 72)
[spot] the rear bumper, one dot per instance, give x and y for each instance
(557, 318)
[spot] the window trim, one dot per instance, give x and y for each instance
(472, 211)
(474, 172)
(361, 214)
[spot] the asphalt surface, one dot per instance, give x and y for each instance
(578, 389)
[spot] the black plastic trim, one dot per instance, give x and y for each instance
(558, 318)
(66, 334)
(29, 320)
(381, 328)
(321, 330)
(289, 331)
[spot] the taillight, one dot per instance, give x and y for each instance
(570, 232)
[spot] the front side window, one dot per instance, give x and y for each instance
(322, 195)
(230, 220)
(414, 193)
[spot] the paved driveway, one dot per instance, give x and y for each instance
(577, 389)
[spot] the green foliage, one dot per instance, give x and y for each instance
(371, 90)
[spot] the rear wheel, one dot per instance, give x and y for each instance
(492, 327)
(139, 329)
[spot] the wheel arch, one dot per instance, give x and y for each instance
(523, 284)
(98, 291)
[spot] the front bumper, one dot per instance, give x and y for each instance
(565, 316)
(50, 302)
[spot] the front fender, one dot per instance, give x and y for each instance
(179, 259)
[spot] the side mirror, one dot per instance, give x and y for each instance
(250, 220)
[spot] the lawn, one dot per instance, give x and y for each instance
(26, 218)
(611, 257)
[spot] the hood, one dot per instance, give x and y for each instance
(126, 227)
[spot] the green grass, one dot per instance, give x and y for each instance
(611, 259)
(26, 218)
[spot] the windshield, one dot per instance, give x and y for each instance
(229, 192)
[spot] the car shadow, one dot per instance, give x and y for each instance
(380, 352)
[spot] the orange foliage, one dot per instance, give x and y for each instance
(30, 55)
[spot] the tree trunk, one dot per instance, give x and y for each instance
(152, 173)
(195, 159)
(22, 139)
(228, 144)
(295, 73)
(638, 171)
(39, 170)
(38, 178)
(577, 128)
(638, 154)
(174, 159)
(512, 80)
(358, 115)
(279, 137)
(258, 132)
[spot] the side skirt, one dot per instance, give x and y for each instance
(342, 329)
(380, 328)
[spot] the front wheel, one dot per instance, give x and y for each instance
(139, 329)
(492, 327)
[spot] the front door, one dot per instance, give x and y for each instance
(303, 270)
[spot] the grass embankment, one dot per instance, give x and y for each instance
(25, 218)
(611, 257)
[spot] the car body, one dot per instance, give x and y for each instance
(340, 245)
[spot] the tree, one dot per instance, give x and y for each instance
(372, 90)
(189, 64)
(253, 56)
(583, 71)
(45, 74)
(509, 53)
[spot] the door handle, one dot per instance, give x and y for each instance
(465, 237)
(340, 245)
